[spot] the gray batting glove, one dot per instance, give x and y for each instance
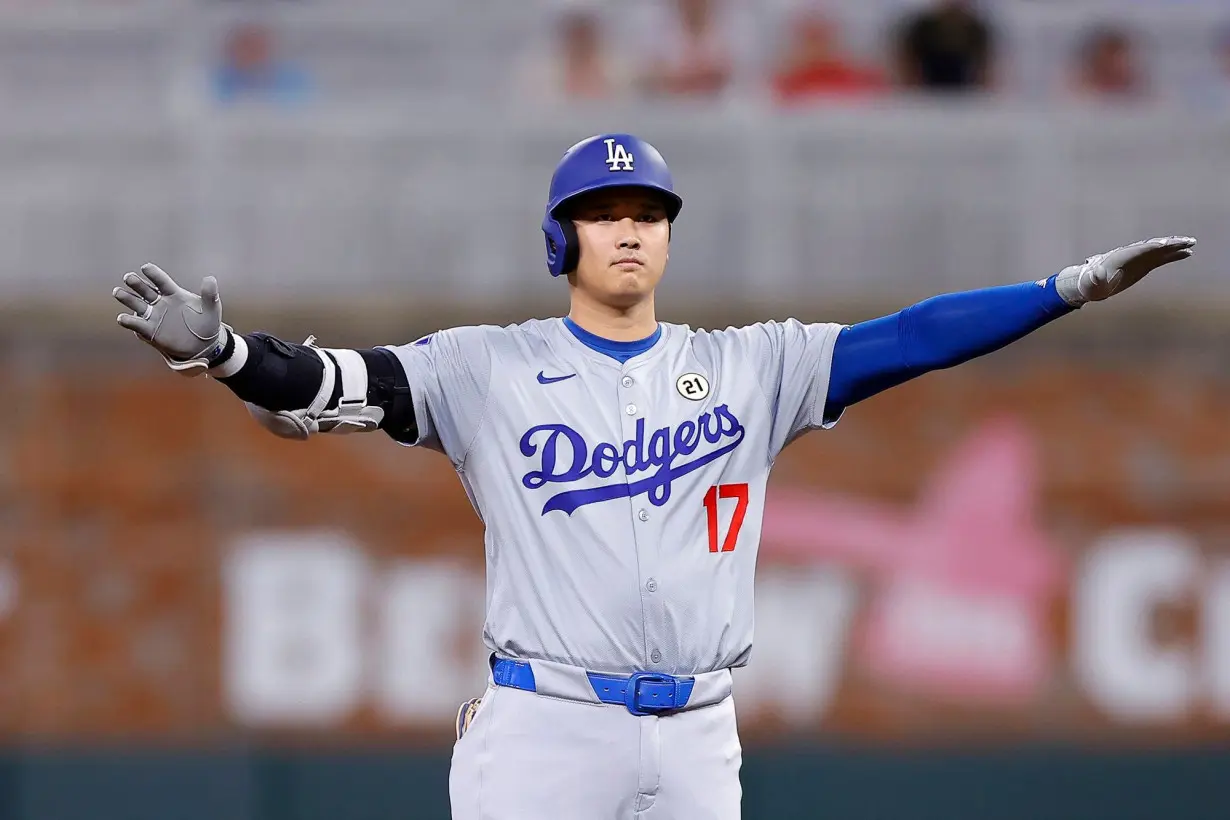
(185, 328)
(1104, 275)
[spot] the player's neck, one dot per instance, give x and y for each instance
(615, 324)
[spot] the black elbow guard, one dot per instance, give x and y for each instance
(389, 389)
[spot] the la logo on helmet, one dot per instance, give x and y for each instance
(617, 157)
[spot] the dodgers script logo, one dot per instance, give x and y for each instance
(565, 458)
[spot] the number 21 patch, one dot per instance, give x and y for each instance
(692, 386)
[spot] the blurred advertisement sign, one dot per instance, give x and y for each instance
(962, 581)
(968, 557)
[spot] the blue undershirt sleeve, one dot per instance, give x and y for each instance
(934, 334)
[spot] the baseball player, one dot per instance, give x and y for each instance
(619, 464)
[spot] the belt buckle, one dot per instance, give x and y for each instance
(633, 692)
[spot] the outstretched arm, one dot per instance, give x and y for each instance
(293, 390)
(943, 331)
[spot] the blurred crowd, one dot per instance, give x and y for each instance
(706, 49)
(935, 46)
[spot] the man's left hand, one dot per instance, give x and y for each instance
(1106, 274)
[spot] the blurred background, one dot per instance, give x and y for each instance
(1002, 591)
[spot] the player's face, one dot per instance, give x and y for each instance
(625, 242)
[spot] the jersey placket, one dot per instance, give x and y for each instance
(634, 400)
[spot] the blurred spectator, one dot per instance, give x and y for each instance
(699, 62)
(1221, 69)
(815, 64)
(250, 69)
(1221, 52)
(1107, 66)
(947, 47)
(579, 66)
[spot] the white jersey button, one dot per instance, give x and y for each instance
(627, 381)
(652, 586)
(656, 656)
(630, 409)
(643, 515)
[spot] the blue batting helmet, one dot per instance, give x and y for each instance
(604, 161)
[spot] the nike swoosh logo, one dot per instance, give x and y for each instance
(544, 379)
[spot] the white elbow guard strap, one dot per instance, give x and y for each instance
(352, 414)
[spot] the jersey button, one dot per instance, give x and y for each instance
(627, 381)
(630, 409)
(652, 586)
(644, 516)
(656, 656)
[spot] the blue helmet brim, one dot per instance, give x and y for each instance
(671, 200)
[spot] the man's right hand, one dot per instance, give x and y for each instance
(184, 327)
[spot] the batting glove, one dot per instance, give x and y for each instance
(465, 715)
(184, 327)
(1104, 275)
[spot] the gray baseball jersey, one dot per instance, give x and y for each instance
(622, 502)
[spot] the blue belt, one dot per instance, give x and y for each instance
(643, 693)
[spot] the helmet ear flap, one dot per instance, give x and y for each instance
(572, 246)
(563, 250)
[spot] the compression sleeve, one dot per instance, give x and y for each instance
(934, 334)
(277, 375)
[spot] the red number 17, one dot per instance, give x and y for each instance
(721, 491)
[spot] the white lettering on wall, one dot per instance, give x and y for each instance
(803, 618)
(293, 631)
(1122, 581)
(429, 656)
